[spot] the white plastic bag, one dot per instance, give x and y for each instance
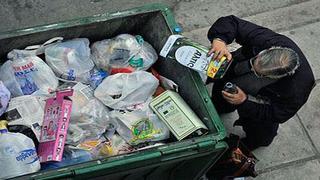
(70, 60)
(31, 73)
(4, 98)
(123, 51)
(140, 126)
(9, 79)
(122, 90)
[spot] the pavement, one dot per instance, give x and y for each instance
(294, 154)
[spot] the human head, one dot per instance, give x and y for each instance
(275, 62)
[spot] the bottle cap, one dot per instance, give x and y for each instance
(3, 125)
(178, 29)
(229, 85)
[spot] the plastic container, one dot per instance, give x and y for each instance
(177, 115)
(186, 159)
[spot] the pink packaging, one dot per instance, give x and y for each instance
(55, 125)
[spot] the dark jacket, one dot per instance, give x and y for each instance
(286, 95)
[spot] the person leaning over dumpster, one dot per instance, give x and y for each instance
(271, 73)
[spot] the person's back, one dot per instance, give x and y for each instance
(273, 77)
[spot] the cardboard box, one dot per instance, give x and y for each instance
(55, 125)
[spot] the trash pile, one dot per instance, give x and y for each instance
(66, 102)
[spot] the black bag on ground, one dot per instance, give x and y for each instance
(238, 161)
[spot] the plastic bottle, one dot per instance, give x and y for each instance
(18, 155)
(230, 88)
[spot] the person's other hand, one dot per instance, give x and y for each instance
(219, 48)
(235, 99)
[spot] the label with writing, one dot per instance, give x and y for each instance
(27, 156)
(24, 75)
(192, 57)
(174, 117)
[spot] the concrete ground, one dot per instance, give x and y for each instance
(295, 151)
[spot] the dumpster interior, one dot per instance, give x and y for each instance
(182, 161)
(152, 27)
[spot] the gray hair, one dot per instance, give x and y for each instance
(276, 62)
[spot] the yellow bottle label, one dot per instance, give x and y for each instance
(214, 66)
(3, 124)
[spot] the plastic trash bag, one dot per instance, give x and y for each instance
(27, 131)
(89, 117)
(30, 72)
(4, 98)
(114, 52)
(123, 51)
(139, 126)
(122, 90)
(90, 125)
(9, 79)
(70, 60)
(146, 57)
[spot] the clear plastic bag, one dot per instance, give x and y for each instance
(31, 73)
(122, 90)
(89, 117)
(145, 58)
(90, 125)
(4, 98)
(70, 60)
(138, 124)
(123, 51)
(114, 52)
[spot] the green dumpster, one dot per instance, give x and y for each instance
(187, 159)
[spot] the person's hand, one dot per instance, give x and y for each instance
(235, 99)
(219, 48)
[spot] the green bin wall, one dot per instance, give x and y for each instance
(187, 159)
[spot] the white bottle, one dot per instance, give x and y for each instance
(18, 155)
